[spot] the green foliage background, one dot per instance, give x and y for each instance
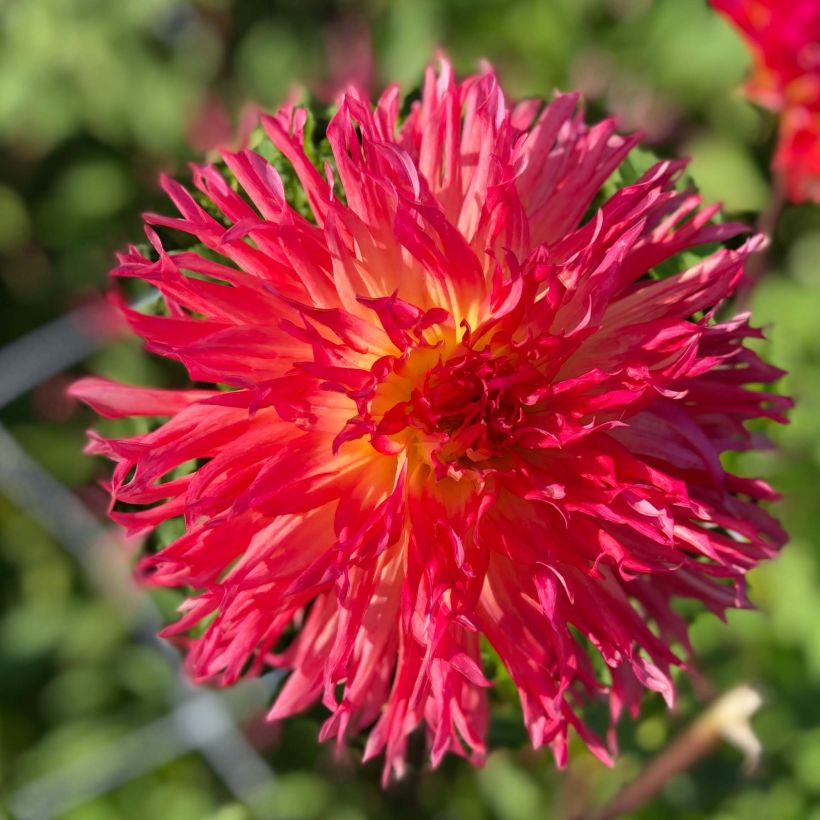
(95, 97)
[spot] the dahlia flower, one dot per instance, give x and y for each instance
(461, 404)
(784, 37)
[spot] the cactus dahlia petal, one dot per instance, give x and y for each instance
(454, 409)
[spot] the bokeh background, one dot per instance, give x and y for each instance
(95, 98)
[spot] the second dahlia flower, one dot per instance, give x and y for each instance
(458, 405)
(784, 37)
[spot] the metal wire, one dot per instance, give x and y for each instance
(199, 720)
(131, 756)
(45, 352)
(54, 347)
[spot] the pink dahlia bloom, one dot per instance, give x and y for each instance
(784, 38)
(450, 409)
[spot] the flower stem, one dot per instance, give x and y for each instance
(766, 224)
(727, 718)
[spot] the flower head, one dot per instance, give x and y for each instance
(462, 398)
(784, 37)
